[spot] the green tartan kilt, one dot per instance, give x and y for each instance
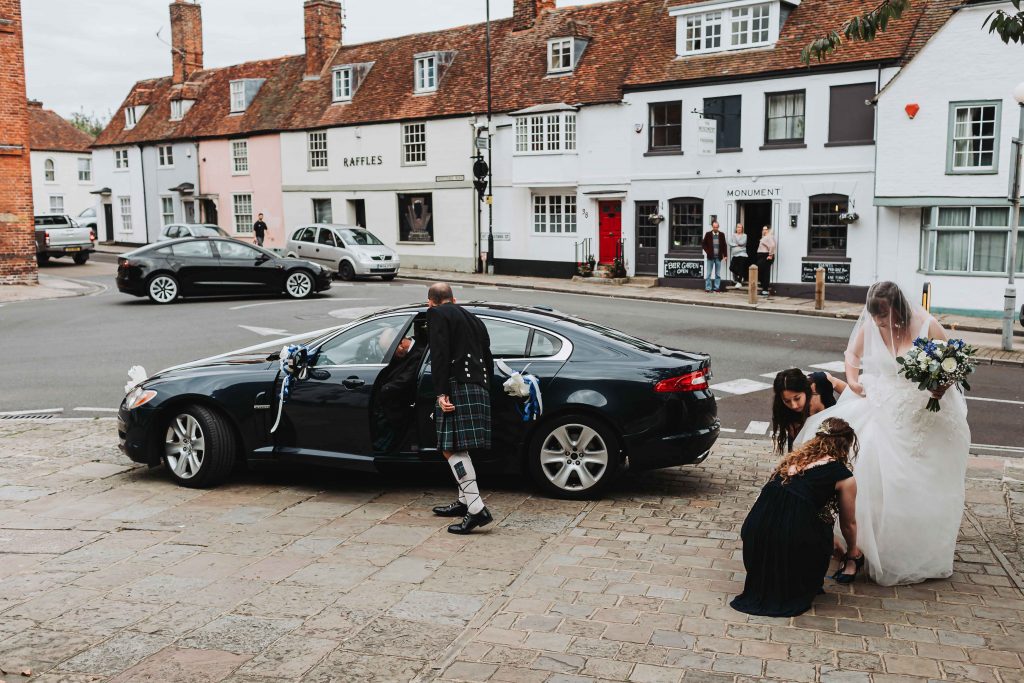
(469, 427)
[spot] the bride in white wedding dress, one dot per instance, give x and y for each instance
(912, 464)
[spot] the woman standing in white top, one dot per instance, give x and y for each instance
(738, 255)
(765, 258)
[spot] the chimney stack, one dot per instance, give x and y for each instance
(323, 33)
(35, 104)
(186, 40)
(526, 12)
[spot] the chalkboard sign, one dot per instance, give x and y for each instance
(684, 268)
(835, 273)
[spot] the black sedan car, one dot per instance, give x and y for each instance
(368, 401)
(201, 266)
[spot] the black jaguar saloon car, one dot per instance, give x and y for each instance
(202, 266)
(367, 403)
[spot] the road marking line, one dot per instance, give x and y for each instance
(1009, 449)
(832, 366)
(264, 331)
(995, 400)
(95, 410)
(741, 386)
(727, 430)
(756, 427)
(263, 303)
(44, 411)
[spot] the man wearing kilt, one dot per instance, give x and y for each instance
(461, 364)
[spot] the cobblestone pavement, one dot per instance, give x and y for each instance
(110, 572)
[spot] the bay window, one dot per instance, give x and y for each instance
(540, 133)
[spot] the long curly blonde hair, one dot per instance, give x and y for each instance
(834, 440)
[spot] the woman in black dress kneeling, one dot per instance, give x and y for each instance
(787, 536)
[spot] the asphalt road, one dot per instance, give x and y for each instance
(74, 354)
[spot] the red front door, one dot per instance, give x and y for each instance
(609, 230)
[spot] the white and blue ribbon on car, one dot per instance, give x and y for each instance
(527, 387)
(293, 362)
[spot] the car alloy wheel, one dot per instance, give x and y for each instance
(574, 456)
(299, 284)
(346, 272)
(163, 289)
(185, 446)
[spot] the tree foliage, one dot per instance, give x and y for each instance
(1009, 26)
(89, 123)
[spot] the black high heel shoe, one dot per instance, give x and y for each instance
(841, 577)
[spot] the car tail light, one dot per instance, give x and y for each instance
(46, 237)
(691, 381)
(92, 235)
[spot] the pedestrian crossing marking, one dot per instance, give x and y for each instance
(757, 427)
(834, 366)
(741, 386)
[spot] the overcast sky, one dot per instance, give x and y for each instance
(86, 54)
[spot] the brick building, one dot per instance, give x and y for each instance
(17, 249)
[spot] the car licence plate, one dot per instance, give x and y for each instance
(67, 249)
(383, 268)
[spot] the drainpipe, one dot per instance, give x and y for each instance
(874, 185)
(145, 203)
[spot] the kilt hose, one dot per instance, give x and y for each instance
(469, 426)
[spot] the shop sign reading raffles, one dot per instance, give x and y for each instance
(707, 137)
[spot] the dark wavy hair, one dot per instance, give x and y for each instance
(834, 440)
(886, 297)
(786, 422)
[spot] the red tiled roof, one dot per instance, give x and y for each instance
(51, 133)
(810, 20)
(630, 43)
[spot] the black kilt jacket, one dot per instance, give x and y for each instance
(460, 348)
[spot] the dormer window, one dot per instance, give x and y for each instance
(430, 68)
(564, 54)
(426, 73)
(342, 80)
(243, 92)
(179, 108)
(346, 79)
(560, 55)
(714, 25)
(132, 116)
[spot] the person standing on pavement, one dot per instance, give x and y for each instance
(738, 256)
(716, 249)
(765, 259)
(461, 364)
(259, 228)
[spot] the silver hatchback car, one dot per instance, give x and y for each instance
(350, 251)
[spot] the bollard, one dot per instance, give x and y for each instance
(752, 284)
(819, 289)
(926, 296)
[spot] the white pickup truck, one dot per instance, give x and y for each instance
(59, 235)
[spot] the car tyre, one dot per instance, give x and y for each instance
(387, 278)
(42, 259)
(299, 284)
(199, 447)
(573, 457)
(81, 258)
(162, 288)
(346, 272)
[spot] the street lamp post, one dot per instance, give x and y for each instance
(1010, 296)
(490, 145)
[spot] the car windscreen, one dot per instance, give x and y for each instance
(206, 231)
(615, 335)
(361, 237)
(61, 221)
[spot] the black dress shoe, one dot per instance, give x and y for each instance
(471, 521)
(456, 509)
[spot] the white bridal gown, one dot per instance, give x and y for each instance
(911, 468)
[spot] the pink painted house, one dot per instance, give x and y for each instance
(241, 178)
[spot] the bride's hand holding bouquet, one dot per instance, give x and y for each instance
(936, 365)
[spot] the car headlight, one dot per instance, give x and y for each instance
(138, 397)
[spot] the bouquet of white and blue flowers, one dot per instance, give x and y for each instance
(938, 364)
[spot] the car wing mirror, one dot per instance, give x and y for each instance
(262, 258)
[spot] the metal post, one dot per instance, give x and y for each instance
(490, 145)
(819, 289)
(1010, 296)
